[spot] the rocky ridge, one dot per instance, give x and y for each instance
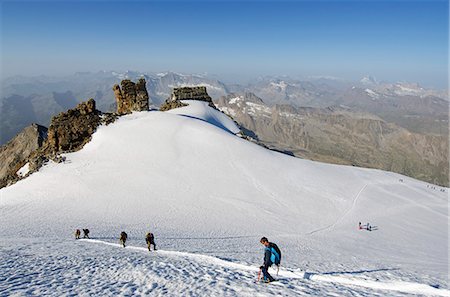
(132, 96)
(17, 150)
(69, 131)
(186, 93)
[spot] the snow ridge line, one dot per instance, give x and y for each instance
(401, 286)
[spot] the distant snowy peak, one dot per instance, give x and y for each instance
(372, 94)
(246, 97)
(246, 103)
(325, 77)
(202, 84)
(409, 89)
(375, 89)
(280, 85)
(129, 74)
(171, 79)
(241, 99)
(405, 89)
(369, 80)
(168, 80)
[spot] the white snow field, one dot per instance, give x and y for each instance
(209, 196)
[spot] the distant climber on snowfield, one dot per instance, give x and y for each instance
(85, 233)
(150, 239)
(272, 255)
(123, 238)
(77, 234)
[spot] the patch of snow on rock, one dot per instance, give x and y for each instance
(24, 170)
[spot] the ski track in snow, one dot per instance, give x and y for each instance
(197, 187)
(332, 226)
(88, 267)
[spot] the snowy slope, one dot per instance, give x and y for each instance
(203, 190)
(201, 110)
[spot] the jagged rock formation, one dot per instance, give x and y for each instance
(186, 93)
(70, 130)
(342, 136)
(190, 93)
(132, 96)
(16, 152)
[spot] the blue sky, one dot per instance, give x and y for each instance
(391, 40)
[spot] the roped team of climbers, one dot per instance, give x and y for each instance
(272, 254)
(149, 238)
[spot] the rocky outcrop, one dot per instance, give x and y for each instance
(142, 98)
(186, 93)
(120, 101)
(16, 152)
(131, 97)
(190, 93)
(168, 105)
(70, 130)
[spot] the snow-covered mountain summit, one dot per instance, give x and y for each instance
(369, 80)
(183, 175)
(399, 88)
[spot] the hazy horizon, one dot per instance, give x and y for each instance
(236, 41)
(228, 80)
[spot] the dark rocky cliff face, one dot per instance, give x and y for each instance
(131, 97)
(16, 152)
(70, 130)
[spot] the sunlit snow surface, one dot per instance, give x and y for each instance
(209, 196)
(24, 170)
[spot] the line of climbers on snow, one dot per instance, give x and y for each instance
(78, 233)
(149, 238)
(272, 254)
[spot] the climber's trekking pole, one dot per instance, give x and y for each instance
(259, 275)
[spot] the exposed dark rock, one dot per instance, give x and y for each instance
(142, 98)
(108, 118)
(190, 93)
(186, 93)
(70, 130)
(120, 101)
(168, 105)
(132, 97)
(15, 153)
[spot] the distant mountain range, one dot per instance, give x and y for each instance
(26, 100)
(422, 111)
(408, 105)
(35, 99)
(341, 136)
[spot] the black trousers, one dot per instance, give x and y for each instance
(149, 243)
(265, 271)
